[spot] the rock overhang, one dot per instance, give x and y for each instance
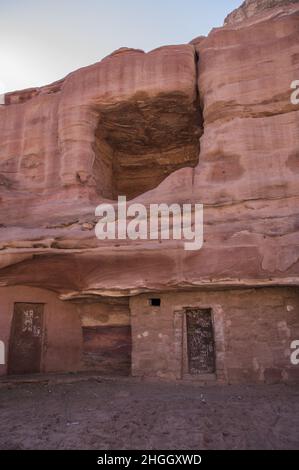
(245, 177)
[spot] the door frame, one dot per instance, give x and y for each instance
(181, 342)
(186, 340)
(12, 331)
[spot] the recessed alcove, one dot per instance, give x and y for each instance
(140, 142)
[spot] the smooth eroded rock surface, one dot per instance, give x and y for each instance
(208, 122)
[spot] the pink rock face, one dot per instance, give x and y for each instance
(252, 8)
(208, 122)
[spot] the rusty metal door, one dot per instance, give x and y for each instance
(200, 341)
(26, 339)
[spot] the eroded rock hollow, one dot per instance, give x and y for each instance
(209, 122)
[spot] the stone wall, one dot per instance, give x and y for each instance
(253, 331)
(88, 336)
(62, 337)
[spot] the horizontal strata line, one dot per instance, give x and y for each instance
(247, 116)
(244, 201)
(208, 284)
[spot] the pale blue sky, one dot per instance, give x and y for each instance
(43, 40)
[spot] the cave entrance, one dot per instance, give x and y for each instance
(139, 143)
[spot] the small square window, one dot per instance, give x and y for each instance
(155, 302)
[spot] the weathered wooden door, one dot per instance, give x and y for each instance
(200, 341)
(26, 339)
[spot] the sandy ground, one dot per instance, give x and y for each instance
(108, 414)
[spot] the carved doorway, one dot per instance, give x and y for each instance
(26, 339)
(200, 341)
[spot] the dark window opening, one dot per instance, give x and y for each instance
(155, 302)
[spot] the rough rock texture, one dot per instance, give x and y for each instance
(251, 8)
(210, 122)
(207, 122)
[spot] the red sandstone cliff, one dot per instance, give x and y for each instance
(209, 122)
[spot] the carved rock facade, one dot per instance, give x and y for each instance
(208, 122)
